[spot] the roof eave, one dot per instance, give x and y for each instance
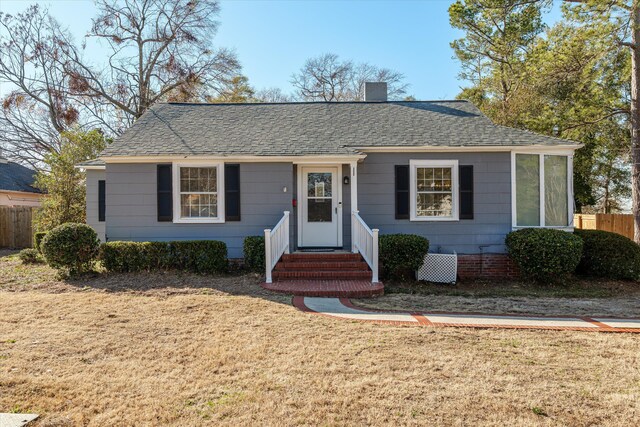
(470, 148)
(318, 158)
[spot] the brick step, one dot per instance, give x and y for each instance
(322, 274)
(318, 256)
(324, 265)
(327, 288)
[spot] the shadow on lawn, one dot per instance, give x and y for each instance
(4, 252)
(165, 283)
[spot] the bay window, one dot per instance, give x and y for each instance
(198, 193)
(434, 190)
(542, 190)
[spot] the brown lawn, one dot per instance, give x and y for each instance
(182, 350)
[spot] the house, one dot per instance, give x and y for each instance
(16, 185)
(440, 169)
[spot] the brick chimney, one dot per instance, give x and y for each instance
(375, 92)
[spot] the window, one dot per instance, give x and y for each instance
(319, 197)
(542, 190)
(198, 193)
(102, 201)
(434, 190)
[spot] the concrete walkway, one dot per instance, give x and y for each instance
(16, 420)
(342, 308)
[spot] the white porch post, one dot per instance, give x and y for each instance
(354, 202)
(267, 254)
(374, 269)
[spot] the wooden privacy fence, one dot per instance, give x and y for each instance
(616, 223)
(16, 230)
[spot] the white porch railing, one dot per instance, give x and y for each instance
(365, 241)
(276, 243)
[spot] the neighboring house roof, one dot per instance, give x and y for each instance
(91, 164)
(318, 128)
(15, 177)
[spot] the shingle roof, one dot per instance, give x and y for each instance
(313, 129)
(15, 177)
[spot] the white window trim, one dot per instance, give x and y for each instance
(177, 218)
(570, 201)
(453, 164)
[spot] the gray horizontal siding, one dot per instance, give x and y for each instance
(132, 210)
(492, 201)
(93, 176)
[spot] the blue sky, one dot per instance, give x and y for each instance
(273, 38)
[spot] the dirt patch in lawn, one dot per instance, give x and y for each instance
(576, 296)
(573, 287)
(613, 307)
(18, 277)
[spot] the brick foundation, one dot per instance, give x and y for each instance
(486, 266)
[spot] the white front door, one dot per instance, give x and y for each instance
(321, 207)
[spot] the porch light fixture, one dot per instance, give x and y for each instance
(346, 180)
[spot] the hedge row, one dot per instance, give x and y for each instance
(609, 255)
(198, 256)
(547, 254)
(544, 253)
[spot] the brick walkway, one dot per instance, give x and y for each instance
(326, 288)
(342, 308)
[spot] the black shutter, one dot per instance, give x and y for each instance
(466, 192)
(101, 200)
(232, 192)
(402, 192)
(165, 195)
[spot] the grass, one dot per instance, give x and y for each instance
(184, 350)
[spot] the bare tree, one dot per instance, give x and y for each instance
(327, 78)
(36, 111)
(159, 50)
(272, 94)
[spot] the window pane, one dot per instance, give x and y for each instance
(434, 204)
(433, 179)
(198, 206)
(200, 180)
(555, 191)
(527, 190)
(319, 184)
(423, 179)
(319, 210)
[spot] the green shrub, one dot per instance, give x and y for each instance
(253, 248)
(72, 247)
(401, 254)
(157, 255)
(199, 256)
(123, 257)
(29, 256)
(37, 240)
(544, 253)
(609, 255)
